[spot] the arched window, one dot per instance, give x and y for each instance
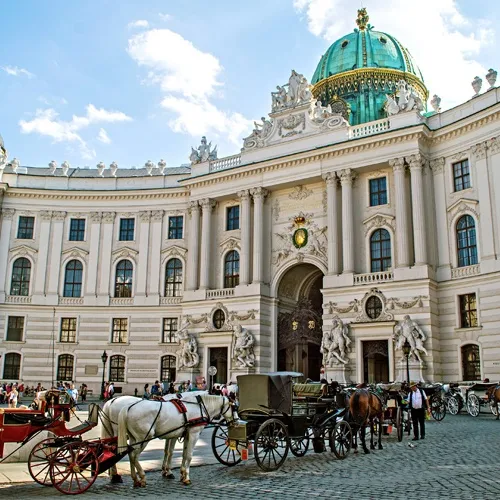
(123, 279)
(232, 269)
(466, 241)
(380, 250)
(167, 373)
(117, 368)
(173, 278)
(471, 362)
(21, 273)
(73, 277)
(65, 367)
(12, 366)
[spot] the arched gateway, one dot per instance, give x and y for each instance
(300, 310)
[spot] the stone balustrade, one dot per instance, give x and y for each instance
(369, 128)
(464, 272)
(70, 301)
(18, 299)
(167, 301)
(369, 278)
(220, 294)
(225, 163)
(121, 301)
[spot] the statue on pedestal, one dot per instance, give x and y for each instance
(409, 330)
(243, 347)
(335, 344)
(188, 353)
(203, 153)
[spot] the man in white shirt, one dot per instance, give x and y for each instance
(418, 405)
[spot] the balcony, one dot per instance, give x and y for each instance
(464, 272)
(121, 301)
(369, 128)
(225, 163)
(70, 301)
(220, 294)
(370, 278)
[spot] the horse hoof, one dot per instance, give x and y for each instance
(187, 482)
(116, 479)
(355, 451)
(380, 447)
(143, 483)
(367, 451)
(372, 447)
(168, 476)
(137, 484)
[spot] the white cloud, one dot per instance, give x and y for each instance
(165, 17)
(170, 60)
(140, 23)
(443, 42)
(103, 136)
(47, 122)
(15, 71)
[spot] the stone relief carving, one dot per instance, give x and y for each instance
(293, 93)
(196, 321)
(335, 344)
(359, 306)
(251, 314)
(229, 244)
(405, 99)
(397, 164)
(8, 213)
(108, 217)
(259, 134)
(461, 207)
(157, 215)
(145, 216)
(75, 252)
(479, 151)
(378, 221)
(22, 251)
(300, 193)
(493, 145)
(290, 123)
(124, 253)
(437, 165)
(244, 342)
(187, 355)
(210, 325)
(173, 251)
(393, 302)
(276, 209)
(203, 152)
(408, 330)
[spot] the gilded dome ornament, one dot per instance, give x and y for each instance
(362, 19)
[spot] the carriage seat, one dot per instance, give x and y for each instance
(307, 390)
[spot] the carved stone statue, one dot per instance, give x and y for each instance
(188, 353)
(52, 167)
(406, 99)
(203, 153)
(299, 91)
(335, 344)
(320, 113)
(259, 133)
(477, 83)
(491, 78)
(409, 330)
(243, 347)
(435, 102)
(3, 153)
(278, 98)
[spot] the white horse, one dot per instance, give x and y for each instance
(154, 419)
(109, 427)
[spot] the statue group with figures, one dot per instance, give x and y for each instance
(408, 330)
(335, 344)
(203, 153)
(296, 91)
(405, 99)
(244, 343)
(188, 353)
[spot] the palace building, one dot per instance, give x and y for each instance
(354, 220)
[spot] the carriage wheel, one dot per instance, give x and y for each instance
(438, 408)
(473, 405)
(299, 446)
(341, 439)
(493, 408)
(220, 446)
(453, 405)
(39, 461)
(271, 445)
(74, 468)
(399, 423)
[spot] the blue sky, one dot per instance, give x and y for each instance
(128, 81)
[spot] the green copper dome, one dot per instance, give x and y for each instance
(359, 69)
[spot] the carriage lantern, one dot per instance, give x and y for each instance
(406, 352)
(104, 358)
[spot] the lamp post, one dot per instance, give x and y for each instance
(406, 352)
(104, 358)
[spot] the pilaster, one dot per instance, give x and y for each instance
(7, 217)
(108, 219)
(347, 179)
(55, 270)
(142, 275)
(207, 206)
(154, 264)
(94, 261)
(259, 195)
(332, 220)
(245, 201)
(39, 288)
(193, 245)
(402, 241)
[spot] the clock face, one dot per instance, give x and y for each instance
(300, 237)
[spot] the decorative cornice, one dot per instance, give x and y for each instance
(123, 195)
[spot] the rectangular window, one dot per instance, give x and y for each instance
(120, 331)
(468, 310)
(233, 218)
(169, 330)
(175, 227)
(378, 191)
(461, 175)
(77, 230)
(68, 330)
(15, 329)
(127, 229)
(25, 228)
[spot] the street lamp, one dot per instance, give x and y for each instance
(104, 358)
(406, 352)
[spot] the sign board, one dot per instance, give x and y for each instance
(212, 371)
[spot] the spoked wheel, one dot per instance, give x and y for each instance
(453, 405)
(271, 445)
(438, 408)
(226, 452)
(341, 439)
(74, 468)
(473, 405)
(399, 423)
(299, 446)
(493, 408)
(40, 459)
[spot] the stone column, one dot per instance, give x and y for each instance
(58, 219)
(332, 221)
(245, 201)
(154, 265)
(402, 243)
(417, 163)
(347, 179)
(194, 249)
(259, 194)
(7, 216)
(437, 166)
(142, 276)
(207, 206)
(94, 228)
(108, 219)
(43, 253)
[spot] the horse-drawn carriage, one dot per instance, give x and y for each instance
(477, 396)
(278, 416)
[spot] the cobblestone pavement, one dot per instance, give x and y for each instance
(459, 459)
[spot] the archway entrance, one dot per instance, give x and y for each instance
(300, 321)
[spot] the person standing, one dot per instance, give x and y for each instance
(83, 392)
(111, 390)
(419, 405)
(13, 395)
(146, 394)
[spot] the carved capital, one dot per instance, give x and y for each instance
(416, 162)
(193, 208)
(259, 193)
(145, 216)
(479, 151)
(95, 217)
(157, 215)
(330, 178)
(347, 176)
(437, 165)
(243, 195)
(397, 164)
(59, 216)
(46, 215)
(8, 213)
(493, 145)
(207, 204)
(108, 217)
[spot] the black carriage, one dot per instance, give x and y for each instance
(437, 400)
(476, 398)
(278, 416)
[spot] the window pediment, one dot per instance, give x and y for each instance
(230, 243)
(124, 253)
(76, 252)
(173, 251)
(378, 220)
(23, 250)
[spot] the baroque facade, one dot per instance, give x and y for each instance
(323, 245)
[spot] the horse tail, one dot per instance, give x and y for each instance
(122, 430)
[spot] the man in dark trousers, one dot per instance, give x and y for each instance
(418, 404)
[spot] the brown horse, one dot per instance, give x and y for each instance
(364, 407)
(493, 395)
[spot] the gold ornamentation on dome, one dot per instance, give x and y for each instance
(362, 19)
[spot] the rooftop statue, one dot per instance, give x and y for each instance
(203, 153)
(491, 78)
(405, 99)
(259, 133)
(299, 92)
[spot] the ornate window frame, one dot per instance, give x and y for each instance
(378, 175)
(450, 179)
(459, 357)
(4, 355)
(118, 226)
(86, 231)
(73, 355)
(113, 276)
(11, 273)
(67, 256)
(172, 252)
(371, 224)
(77, 332)
(15, 253)
(125, 368)
(162, 355)
(362, 316)
(458, 326)
(226, 327)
